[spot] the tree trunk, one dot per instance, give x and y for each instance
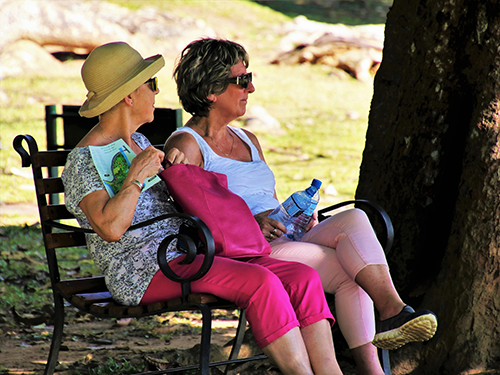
(432, 159)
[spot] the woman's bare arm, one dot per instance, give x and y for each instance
(110, 217)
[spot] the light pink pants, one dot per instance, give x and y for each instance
(277, 295)
(338, 248)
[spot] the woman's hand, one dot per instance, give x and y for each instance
(313, 222)
(175, 156)
(146, 164)
(271, 229)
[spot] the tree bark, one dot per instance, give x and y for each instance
(432, 159)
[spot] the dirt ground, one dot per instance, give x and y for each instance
(90, 342)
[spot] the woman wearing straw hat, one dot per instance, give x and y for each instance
(289, 316)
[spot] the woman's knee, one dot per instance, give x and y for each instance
(264, 281)
(304, 277)
(354, 217)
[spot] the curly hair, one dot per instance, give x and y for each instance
(203, 69)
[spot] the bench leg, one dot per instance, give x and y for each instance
(206, 332)
(386, 364)
(238, 339)
(55, 345)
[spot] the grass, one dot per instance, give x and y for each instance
(347, 12)
(113, 367)
(24, 278)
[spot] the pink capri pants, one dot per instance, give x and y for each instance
(277, 295)
(338, 248)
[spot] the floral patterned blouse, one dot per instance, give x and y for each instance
(130, 263)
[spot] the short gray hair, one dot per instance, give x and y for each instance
(203, 69)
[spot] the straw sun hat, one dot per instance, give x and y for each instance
(111, 72)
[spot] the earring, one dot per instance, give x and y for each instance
(131, 102)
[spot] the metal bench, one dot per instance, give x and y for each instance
(90, 294)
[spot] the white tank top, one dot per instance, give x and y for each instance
(253, 181)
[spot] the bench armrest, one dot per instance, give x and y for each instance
(387, 239)
(188, 239)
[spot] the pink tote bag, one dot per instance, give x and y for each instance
(205, 194)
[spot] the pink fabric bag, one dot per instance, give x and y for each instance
(205, 194)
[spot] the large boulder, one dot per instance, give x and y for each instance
(354, 49)
(25, 57)
(78, 27)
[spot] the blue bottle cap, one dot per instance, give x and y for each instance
(316, 183)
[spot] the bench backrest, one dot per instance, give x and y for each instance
(74, 127)
(44, 186)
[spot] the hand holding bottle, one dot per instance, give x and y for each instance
(271, 228)
(296, 211)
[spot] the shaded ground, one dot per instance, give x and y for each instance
(90, 343)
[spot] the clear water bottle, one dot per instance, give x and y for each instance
(296, 211)
(299, 225)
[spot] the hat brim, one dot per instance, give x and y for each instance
(97, 105)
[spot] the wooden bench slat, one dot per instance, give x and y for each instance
(83, 285)
(116, 309)
(100, 308)
(56, 212)
(50, 185)
(85, 300)
(157, 306)
(70, 239)
(50, 158)
(136, 310)
(202, 298)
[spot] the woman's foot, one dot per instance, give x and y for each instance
(407, 326)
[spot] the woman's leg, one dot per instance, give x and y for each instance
(377, 282)
(306, 296)
(367, 361)
(289, 353)
(319, 344)
(363, 259)
(250, 286)
(354, 308)
(254, 288)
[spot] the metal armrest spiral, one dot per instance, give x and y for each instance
(187, 242)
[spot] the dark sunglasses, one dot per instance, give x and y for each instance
(243, 80)
(153, 83)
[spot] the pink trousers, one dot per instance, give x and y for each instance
(277, 295)
(338, 248)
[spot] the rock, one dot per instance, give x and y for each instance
(26, 57)
(4, 97)
(72, 24)
(355, 49)
(257, 119)
(330, 190)
(77, 27)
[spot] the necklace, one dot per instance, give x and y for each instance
(216, 145)
(102, 134)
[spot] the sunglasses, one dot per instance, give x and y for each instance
(153, 83)
(243, 80)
